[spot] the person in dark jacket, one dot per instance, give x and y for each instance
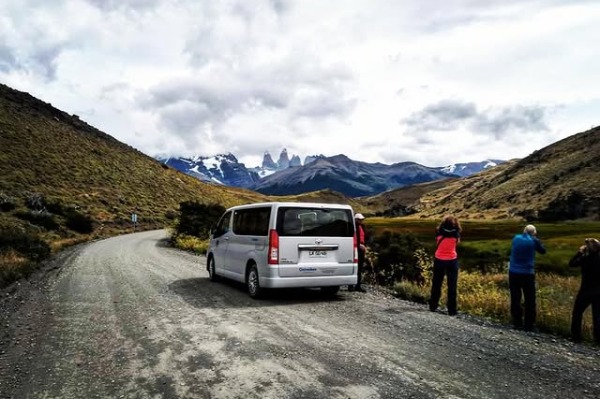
(445, 263)
(588, 259)
(521, 277)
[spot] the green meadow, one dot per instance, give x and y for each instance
(483, 259)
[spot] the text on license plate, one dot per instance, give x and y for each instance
(317, 254)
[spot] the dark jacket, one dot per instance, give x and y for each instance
(590, 271)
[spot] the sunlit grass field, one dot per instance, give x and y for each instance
(486, 293)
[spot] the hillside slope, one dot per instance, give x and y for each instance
(557, 182)
(47, 153)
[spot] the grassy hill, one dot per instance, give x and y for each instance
(557, 182)
(47, 151)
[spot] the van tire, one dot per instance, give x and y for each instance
(212, 273)
(330, 291)
(253, 283)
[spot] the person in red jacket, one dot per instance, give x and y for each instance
(362, 249)
(445, 263)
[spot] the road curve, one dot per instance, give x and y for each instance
(129, 317)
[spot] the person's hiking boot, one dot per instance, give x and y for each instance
(350, 288)
(360, 289)
(452, 313)
(532, 329)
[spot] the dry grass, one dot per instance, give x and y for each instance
(12, 266)
(488, 296)
(190, 243)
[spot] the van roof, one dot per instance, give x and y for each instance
(292, 204)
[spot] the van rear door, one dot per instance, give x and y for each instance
(315, 241)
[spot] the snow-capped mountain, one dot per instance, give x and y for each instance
(344, 175)
(338, 173)
(470, 168)
(221, 169)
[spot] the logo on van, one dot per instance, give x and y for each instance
(318, 241)
(307, 269)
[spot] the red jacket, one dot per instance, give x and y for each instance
(446, 241)
(360, 234)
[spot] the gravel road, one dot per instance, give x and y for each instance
(129, 317)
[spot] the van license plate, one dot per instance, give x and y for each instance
(317, 254)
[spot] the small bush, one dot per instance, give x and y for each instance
(411, 292)
(26, 243)
(190, 243)
(80, 223)
(197, 219)
(36, 202)
(7, 203)
(39, 218)
(55, 207)
(397, 258)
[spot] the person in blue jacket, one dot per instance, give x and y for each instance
(521, 277)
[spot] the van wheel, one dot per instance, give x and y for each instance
(330, 291)
(212, 274)
(254, 289)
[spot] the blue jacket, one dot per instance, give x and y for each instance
(522, 253)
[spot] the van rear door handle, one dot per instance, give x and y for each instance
(318, 247)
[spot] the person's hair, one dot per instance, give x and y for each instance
(592, 245)
(529, 229)
(450, 222)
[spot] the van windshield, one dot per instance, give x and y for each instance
(323, 222)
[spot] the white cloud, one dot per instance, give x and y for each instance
(380, 81)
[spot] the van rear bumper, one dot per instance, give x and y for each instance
(304, 282)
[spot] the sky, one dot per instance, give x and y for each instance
(429, 81)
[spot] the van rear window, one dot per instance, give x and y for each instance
(294, 221)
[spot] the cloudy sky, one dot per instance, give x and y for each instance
(430, 81)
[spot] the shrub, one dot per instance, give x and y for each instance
(26, 243)
(397, 258)
(36, 202)
(190, 243)
(55, 207)
(39, 218)
(78, 222)
(7, 203)
(411, 292)
(196, 219)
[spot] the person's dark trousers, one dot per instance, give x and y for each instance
(441, 269)
(361, 267)
(582, 301)
(522, 286)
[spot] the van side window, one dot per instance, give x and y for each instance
(223, 225)
(252, 221)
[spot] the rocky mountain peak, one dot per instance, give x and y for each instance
(268, 162)
(284, 160)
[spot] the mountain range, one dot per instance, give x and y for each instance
(339, 173)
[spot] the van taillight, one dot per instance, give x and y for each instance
(273, 256)
(355, 250)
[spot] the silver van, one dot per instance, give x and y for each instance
(284, 245)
